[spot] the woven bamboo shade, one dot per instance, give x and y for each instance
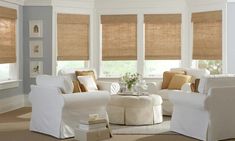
(163, 37)
(207, 35)
(8, 13)
(212, 16)
(7, 35)
(73, 37)
(162, 18)
(119, 37)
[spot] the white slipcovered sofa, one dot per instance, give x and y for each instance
(208, 115)
(56, 110)
(156, 87)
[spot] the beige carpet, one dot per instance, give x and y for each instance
(14, 127)
(163, 128)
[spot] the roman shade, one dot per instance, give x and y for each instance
(7, 35)
(162, 36)
(207, 35)
(73, 36)
(119, 37)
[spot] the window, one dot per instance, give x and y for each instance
(7, 43)
(4, 72)
(117, 68)
(162, 43)
(207, 41)
(119, 45)
(214, 66)
(71, 64)
(155, 68)
(72, 40)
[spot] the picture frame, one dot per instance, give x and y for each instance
(36, 49)
(35, 28)
(36, 68)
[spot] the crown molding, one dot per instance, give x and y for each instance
(74, 3)
(60, 3)
(18, 2)
(194, 3)
(128, 4)
(37, 3)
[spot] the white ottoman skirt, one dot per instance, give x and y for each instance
(135, 110)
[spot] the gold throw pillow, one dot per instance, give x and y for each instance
(76, 88)
(167, 76)
(178, 81)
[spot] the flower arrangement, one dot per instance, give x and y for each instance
(130, 79)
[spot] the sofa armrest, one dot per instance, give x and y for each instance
(154, 87)
(112, 87)
(186, 99)
(50, 96)
(86, 99)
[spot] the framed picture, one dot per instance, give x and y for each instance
(35, 28)
(36, 68)
(36, 49)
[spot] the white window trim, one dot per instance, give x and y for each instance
(9, 84)
(14, 69)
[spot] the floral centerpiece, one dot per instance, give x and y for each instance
(130, 80)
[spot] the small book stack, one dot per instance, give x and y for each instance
(92, 130)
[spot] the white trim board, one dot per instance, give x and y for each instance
(18, 2)
(11, 103)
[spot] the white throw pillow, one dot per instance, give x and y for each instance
(88, 82)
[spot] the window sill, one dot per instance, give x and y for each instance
(153, 77)
(9, 84)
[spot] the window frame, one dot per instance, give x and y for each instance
(14, 68)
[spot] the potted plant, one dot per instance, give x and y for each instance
(130, 80)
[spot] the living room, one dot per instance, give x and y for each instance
(140, 37)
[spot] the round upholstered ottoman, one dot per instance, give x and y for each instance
(135, 110)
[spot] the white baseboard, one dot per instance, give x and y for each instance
(12, 103)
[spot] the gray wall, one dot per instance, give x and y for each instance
(19, 90)
(43, 13)
(231, 38)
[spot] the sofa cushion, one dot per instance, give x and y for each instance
(197, 73)
(167, 76)
(178, 81)
(211, 81)
(63, 82)
(70, 72)
(88, 83)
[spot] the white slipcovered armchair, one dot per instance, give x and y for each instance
(56, 110)
(207, 115)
